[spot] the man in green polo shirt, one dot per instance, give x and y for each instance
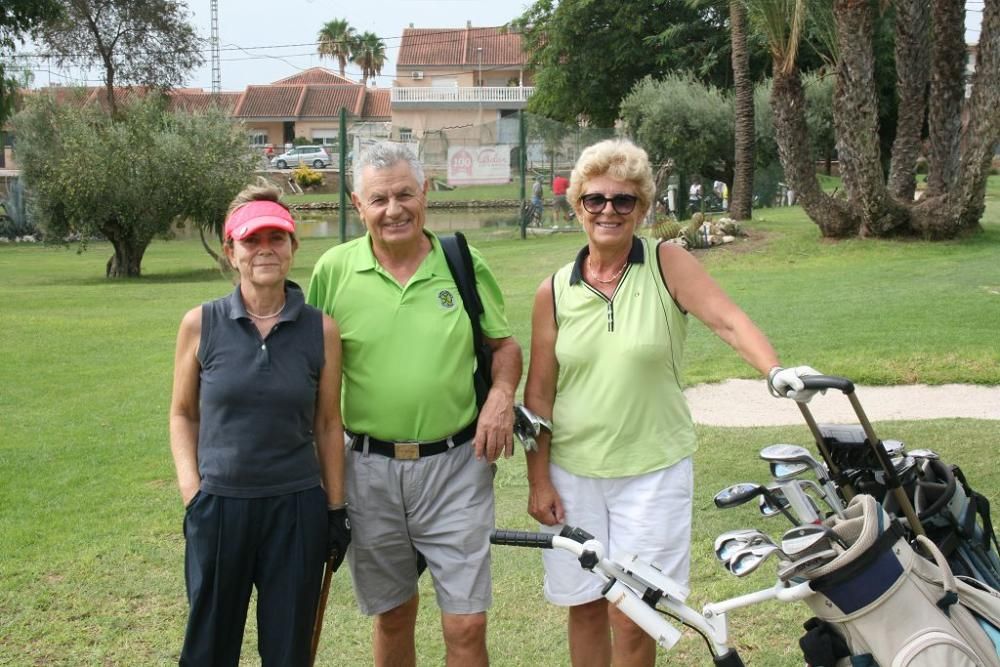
(420, 471)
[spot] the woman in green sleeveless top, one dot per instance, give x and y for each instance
(607, 345)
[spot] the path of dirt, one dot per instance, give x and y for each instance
(747, 403)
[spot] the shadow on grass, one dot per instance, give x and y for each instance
(174, 277)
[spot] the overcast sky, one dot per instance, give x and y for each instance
(263, 41)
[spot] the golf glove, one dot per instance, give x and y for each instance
(338, 535)
(787, 383)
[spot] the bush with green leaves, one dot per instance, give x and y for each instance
(681, 119)
(307, 177)
(128, 178)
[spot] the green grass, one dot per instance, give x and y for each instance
(90, 519)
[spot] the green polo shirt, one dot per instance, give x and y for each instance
(407, 349)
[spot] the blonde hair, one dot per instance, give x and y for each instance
(261, 190)
(619, 159)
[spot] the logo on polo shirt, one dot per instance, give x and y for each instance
(446, 298)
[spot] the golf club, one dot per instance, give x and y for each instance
(805, 540)
(748, 559)
(767, 508)
(738, 494)
(803, 565)
(732, 541)
(528, 426)
(794, 454)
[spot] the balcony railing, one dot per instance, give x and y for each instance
(513, 95)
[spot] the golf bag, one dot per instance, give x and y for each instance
(954, 516)
(879, 603)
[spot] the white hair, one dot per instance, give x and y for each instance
(383, 155)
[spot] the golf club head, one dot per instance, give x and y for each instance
(767, 505)
(803, 565)
(783, 470)
(924, 454)
(528, 426)
(784, 453)
(749, 558)
(737, 494)
(805, 540)
(732, 541)
(894, 448)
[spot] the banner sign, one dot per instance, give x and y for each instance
(478, 165)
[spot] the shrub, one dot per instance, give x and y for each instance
(307, 177)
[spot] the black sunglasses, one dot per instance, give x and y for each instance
(595, 203)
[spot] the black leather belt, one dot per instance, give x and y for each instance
(410, 451)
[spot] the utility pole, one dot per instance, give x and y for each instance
(216, 68)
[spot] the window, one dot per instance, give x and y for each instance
(325, 137)
(405, 134)
(257, 137)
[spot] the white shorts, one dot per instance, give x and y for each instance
(647, 515)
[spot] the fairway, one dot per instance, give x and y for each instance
(90, 518)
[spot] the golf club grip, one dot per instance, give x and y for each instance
(827, 382)
(521, 538)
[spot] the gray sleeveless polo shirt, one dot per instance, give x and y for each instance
(258, 398)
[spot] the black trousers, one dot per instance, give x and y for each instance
(277, 545)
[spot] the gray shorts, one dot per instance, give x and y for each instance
(441, 505)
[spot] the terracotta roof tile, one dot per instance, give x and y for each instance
(315, 75)
(268, 102)
(377, 104)
(458, 46)
(326, 101)
(188, 100)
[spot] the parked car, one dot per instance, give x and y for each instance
(314, 156)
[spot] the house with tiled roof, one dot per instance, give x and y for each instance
(452, 78)
(307, 105)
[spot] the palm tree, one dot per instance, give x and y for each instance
(741, 198)
(369, 54)
(337, 39)
(959, 152)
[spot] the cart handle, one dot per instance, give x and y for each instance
(827, 382)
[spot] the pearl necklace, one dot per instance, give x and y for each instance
(265, 317)
(618, 273)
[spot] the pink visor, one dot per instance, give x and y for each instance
(256, 215)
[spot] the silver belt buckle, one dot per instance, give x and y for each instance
(406, 451)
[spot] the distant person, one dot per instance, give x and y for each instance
(421, 454)
(536, 198)
(607, 351)
(560, 207)
(257, 441)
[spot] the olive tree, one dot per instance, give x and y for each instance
(143, 42)
(127, 179)
(682, 122)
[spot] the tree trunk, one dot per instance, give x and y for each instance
(982, 131)
(946, 94)
(126, 262)
(221, 260)
(855, 116)
(912, 67)
(741, 196)
(788, 103)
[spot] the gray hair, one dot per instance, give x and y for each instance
(383, 155)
